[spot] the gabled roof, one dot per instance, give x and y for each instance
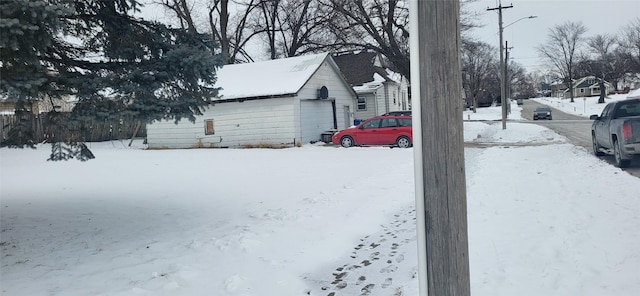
(269, 78)
(363, 71)
(587, 82)
(358, 68)
(361, 68)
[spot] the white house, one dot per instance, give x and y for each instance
(379, 90)
(275, 103)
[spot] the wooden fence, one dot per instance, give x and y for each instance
(94, 131)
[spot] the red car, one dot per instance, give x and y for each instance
(380, 130)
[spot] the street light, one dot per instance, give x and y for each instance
(503, 72)
(502, 84)
(526, 17)
(506, 80)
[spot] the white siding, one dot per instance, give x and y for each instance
(237, 124)
(394, 95)
(270, 122)
(371, 110)
(317, 118)
(382, 101)
(338, 91)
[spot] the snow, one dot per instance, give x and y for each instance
(634, 94)
(267, 78)
(370, 86)
(545, 218)
(581, 106)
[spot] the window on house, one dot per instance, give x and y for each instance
(362, 103)
(209, 127)
(582, 90)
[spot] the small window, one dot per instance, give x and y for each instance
(582, 90)
(362, 103)
(209, 127)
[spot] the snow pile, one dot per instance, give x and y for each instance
(634, 94)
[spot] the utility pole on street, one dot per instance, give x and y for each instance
(503, 99)
(441, 200)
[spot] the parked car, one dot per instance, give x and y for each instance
(520, 102)
(398, 113)
(392, 130)
(617, 131)
(542, 113)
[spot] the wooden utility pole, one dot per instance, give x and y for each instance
(441, 202)
(507, 78)
(503, 95)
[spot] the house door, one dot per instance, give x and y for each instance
(347, 116)
(316, 117)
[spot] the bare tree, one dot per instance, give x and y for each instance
(269, 23)
(521, 84)
(378, 25)
(381, 26)
(602, 46)
(294, 28)
(182, 9)
(561, 50)
(630, 44)
(477, 60)
(226, 22)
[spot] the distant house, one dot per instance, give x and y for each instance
(558, 89)
(588, 87)
(379, 89)
(583, 87)
(545, 89)
(276, 103)
(45, 104)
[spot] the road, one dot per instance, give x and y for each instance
(575, 128)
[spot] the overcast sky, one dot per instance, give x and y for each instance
(599, 16)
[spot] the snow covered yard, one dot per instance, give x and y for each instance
(316, 220)
(581, 106)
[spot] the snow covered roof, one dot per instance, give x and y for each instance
(269, 78)
(371, 86)
(364, 71)
(588, 82)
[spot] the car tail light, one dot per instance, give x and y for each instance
(626, 131)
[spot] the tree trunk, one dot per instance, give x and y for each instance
(603, 91)
(135, 132)
(475, 104)
(571, 90)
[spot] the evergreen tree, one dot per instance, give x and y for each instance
(115, 65)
